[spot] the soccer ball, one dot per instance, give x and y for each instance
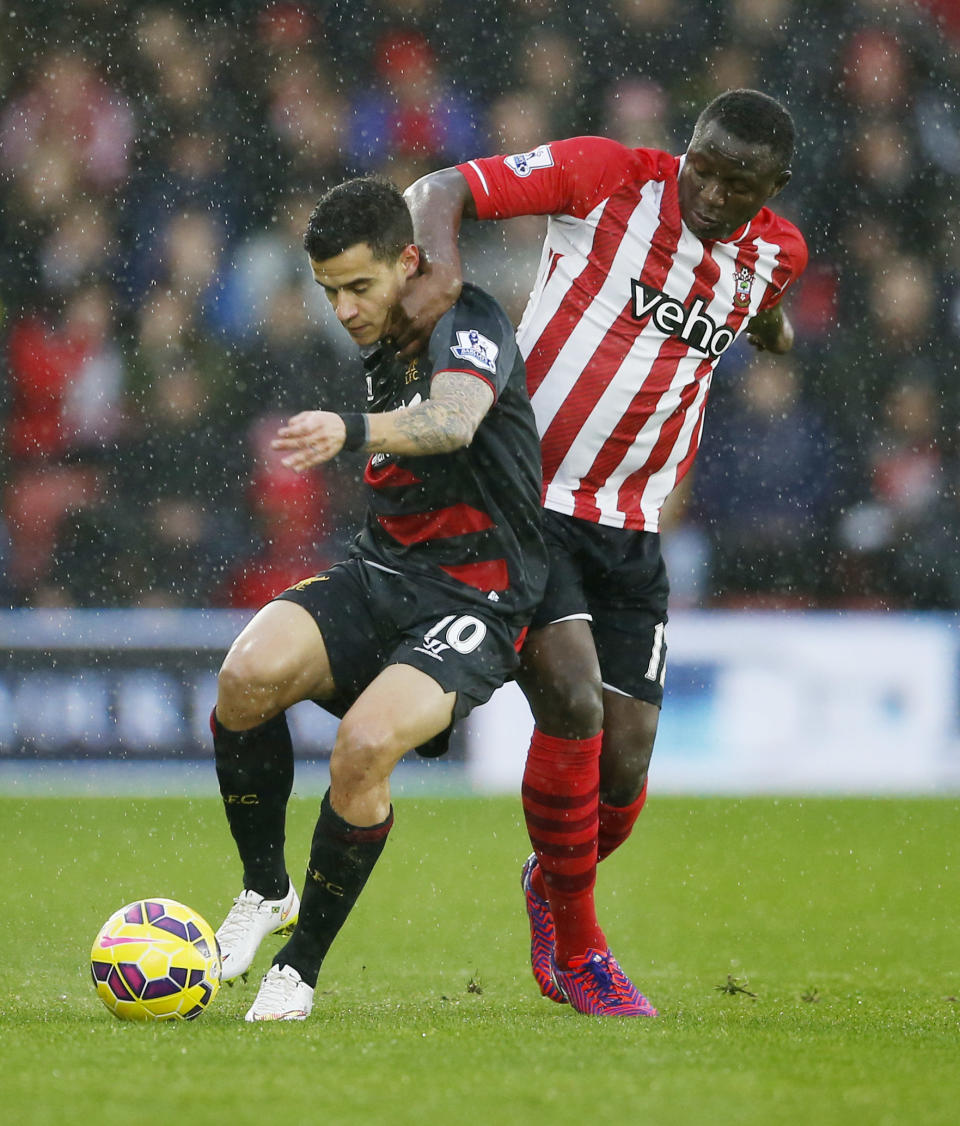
(156, 960)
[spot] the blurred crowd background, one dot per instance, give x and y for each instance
(158, 317)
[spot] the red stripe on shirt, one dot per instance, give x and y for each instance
(747, 258)
(643, 405)
(490, 574)
(791, 262)
(388, 476)
(603, 365)
(554, 262)
(585, 287)
(441, 523)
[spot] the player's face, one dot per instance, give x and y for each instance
(363, 290)
(725, 181)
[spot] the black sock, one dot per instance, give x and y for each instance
(342, 856)
(255, 772)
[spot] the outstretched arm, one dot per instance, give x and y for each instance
(438, 203)
(447, 421)
(771, 331)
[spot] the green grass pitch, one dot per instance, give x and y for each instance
(804, 954)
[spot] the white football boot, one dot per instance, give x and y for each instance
(283, 995)
(249, 921)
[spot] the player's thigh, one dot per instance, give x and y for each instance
(632, 650)
(564, 597)
(632, 653)
(400, 709)
(629, 627)
(629, 732)
(281, 651)
(560, 677)
(354, 616)
(559, 672)
(466, 647)
(629, 611)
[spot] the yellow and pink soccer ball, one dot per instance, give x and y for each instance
(156, 959)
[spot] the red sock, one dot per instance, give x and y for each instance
(561, 781)
(616, 823)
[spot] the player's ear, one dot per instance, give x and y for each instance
(781, 182)
(410, 260)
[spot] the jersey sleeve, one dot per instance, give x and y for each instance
(568, 177)
(474, 337)
(792, 261)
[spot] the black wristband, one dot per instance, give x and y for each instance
(357, 433)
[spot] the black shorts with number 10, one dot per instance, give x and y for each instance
(616, 579)
(370, 617)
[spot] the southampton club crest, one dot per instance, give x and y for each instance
(744, 284)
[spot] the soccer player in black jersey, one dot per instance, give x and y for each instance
(420, 624)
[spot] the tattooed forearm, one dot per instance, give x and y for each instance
(429, 428)
(447, 421)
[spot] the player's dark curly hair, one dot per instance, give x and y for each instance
(368, 209)
(755, 118)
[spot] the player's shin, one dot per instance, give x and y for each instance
(616, 823)
(560, 786)
(255, 773)
(342, 856)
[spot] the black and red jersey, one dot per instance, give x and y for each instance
(471, 517)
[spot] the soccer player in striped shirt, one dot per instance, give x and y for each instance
(652, 265)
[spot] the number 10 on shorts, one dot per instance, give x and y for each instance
(462, 634)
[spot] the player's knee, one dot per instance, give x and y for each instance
(248, 689)
(363, 755)
(569, 709)
(623, 786)
(583, 706)
(624, 766)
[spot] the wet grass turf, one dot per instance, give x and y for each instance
(805, 956)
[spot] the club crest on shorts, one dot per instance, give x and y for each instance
(304, 583)
(744, 279)
(477, 349)
(523, 163)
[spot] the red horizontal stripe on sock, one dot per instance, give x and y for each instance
(567, 884)
(359, 834)
(558, 801)
(563, 829)
(615, 823)
(561, 851)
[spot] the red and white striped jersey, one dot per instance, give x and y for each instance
(628, 316)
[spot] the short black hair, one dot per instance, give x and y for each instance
(755, 118)
(368, 209)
